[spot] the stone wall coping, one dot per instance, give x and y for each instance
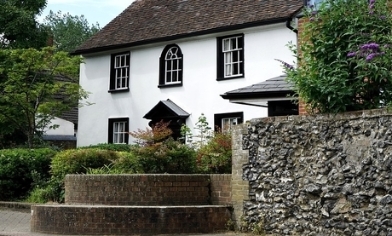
(352, 115)
(131, 207)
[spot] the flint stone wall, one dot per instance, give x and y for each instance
(320, 175)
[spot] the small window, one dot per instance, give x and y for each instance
(282, 108)
(119, 75)
(118, 130)
(171, 66)
(225, 121)
(230, 57)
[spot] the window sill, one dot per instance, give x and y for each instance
(118, 90)
(229, 78)
(169, 85)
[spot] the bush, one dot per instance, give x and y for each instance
(109, 147)
(127, 163)
(80, 161)
(215, 156)
(21, 170)
(345, 55)
(168, 156)
(76, 161)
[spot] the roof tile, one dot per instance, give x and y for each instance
(153, 20)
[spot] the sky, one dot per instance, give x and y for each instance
(101, 11)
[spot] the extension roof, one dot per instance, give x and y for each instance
(148, 21)
(274, 87)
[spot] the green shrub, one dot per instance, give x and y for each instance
(215, 156)
(21, 170)
(126, 163)
(52, 190)
(75, 161)
(110, 147)
(79, 161)
(168, 156)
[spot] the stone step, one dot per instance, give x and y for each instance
(128, 220)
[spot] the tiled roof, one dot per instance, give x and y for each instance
(269, 88)
(171, 110)
(146, 21)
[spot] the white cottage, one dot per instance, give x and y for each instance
(172, 59)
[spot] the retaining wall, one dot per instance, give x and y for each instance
(319, 175)
(137, 205)
(148, 189)
(127, 220)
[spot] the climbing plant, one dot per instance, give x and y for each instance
(344, 56)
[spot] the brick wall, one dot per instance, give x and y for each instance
(220, 189)
(239, 186)
(147, 190)
(129, 220)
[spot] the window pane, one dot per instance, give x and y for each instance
(168, 77)
(227, 57)
(174, 78)
(227, 70)
(226, 45)
(234, 43)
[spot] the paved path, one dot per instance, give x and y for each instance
(15, 222)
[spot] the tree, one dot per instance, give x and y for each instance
(18, 25)
(69, 31)
(31, 93)
(345, 54)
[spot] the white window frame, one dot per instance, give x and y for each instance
(119, 132)
(171, 59)
(232, 56)
(121, 68)
(228, 122)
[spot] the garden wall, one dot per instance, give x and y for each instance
(148, 189)
(316, 175)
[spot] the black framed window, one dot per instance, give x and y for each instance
(225, 121)
(118, 130)
(282, 108)
(171, 66)
(230, 57)
(119, 72)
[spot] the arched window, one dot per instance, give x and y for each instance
(171, 66)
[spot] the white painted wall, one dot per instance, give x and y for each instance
(200, 92)
(65, 127)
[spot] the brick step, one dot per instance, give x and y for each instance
(128, 220)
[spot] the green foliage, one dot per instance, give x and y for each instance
(18, 24)
(82, 161)
(75, 161)
(69, 31)
(345, 53)
(126, 163)
(110, 147)
(169, 156)
(36, 86)
(215, 156)
(203, 135)
(21, 170)
(51, 191)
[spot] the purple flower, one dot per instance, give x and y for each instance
(371, 2)
(373, 47)
(351, 54)
(286, 65)
(370, 57)
(314, 13)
